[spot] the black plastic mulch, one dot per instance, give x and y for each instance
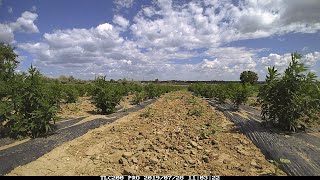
(302, 149)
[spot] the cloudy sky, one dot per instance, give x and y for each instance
(164, 39)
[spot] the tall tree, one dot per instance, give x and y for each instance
(249, 77)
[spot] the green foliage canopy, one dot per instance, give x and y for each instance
(249, 77)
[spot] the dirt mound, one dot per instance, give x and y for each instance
(177, 135)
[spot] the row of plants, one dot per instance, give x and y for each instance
(69, 93)
(238, 93)
(26, 107)
(29, 101)
(106, 95)
(153, 90)
(288, 101)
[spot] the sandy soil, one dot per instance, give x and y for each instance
(82, 107)
(177, 135)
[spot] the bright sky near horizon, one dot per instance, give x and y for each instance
(164, 39)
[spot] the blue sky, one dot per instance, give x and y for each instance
(164, 39)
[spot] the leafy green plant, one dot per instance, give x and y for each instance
(54, 92)
(239, 95)
(249, 77)
(152, 90)
(70, 94)
(26, 107)
(218, 92)
(288, 99)
(33, 114)
(106, 96)
(221, 93)
(197, 109)
(138, 97)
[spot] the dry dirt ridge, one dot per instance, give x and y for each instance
(302, 149)
(177, 135)
(14, 154)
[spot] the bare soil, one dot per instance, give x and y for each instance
(177, 135)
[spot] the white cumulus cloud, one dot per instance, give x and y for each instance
(25, 23)
(121, 21)
(174, 40)
(123, 3)
(282, 61)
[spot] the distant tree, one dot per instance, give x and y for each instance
(68, 79)
(249, 77)
(71, 79)
(124, 81)
(63, 79)
(156, 80)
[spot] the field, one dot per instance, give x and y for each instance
(106, 127)
(162, 139)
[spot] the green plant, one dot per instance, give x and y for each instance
(221, 93)
(218, 92)
(249, 77)
(288, 99)
(239, 95)
(8, 63)
(152, 90)
(277, 165)
(54, 92)
(32, 113)
(138, 97)
(70, 94)
(106, 96)
(26, 109)
(196, 109)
